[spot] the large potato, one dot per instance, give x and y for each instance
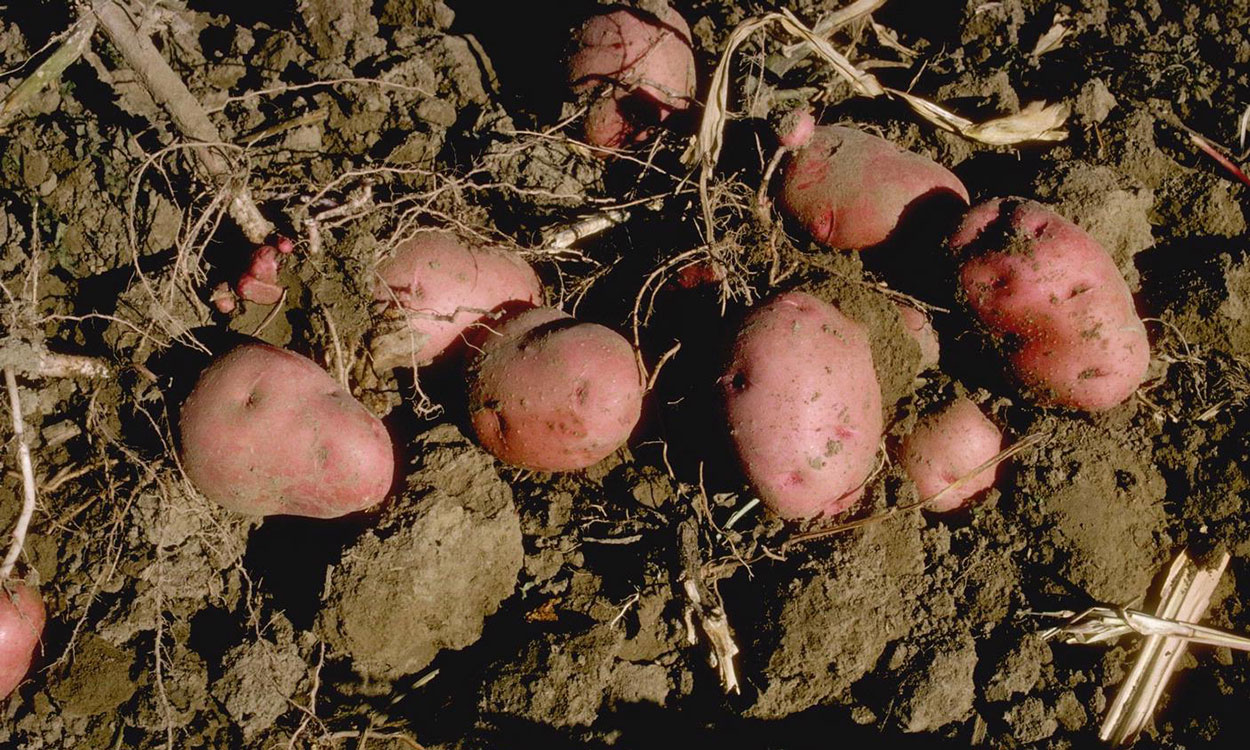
(850, 190)
(1051, 297)
(550, 393)
(637, 68)
(442, 287)
(266, 431)
(945, 448)
(803, 405)
(21, 626)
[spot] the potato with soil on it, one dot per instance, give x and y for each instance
(442, 287)
(851, 190)
(917, 325)
(1052, 299)
(21, 626)
(266, 432)
(803, 405)
(634, 69)
(944, 448)
(550, 393)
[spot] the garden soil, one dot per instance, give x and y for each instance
(483, 606)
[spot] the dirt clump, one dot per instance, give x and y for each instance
(441, 559)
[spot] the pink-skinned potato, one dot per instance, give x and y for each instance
(917, 325)
(947, 446)
(637, 68)
(803, 405)
(550, 393)
(1053, 300)
(268, 432)
(850, 190)
(21, 626)
(442, 287)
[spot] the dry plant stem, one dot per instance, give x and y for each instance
(835, 20)
(1210, 150)
(49, 72)
(28, 477)
(188, 115)
(703, 603)
(559, 238)
(1186, 595)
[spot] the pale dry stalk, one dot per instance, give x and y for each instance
(188, 114)
(28, 477)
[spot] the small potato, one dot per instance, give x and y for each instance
(550, 393)
(850, 190)
(917, 325)
(443, 287)
(637, 68)
(947, 446)
(266, 432)
(803, 404)
(1051, 297)
(21, 626)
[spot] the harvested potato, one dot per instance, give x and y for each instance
(917, 325)
(1051, 297)
(548, 392)
(21, 626)
(850, 190)
(266, 431)
(945, 448)
(634, 69)
(803, 405)
(441, 287)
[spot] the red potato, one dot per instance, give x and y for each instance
(266, 432)
(638, 69)
(803, 404)
(444, 287)
(550, 393)
(850, 190)
(917, 325)
(947, 446)
(1052, 298)
(21, 626)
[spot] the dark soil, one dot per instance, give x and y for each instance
(488, 607)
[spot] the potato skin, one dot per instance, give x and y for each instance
(639, 70)
(1051, 297)
(917, 325)
(444, 287)
(803, 405)
(266, 431)
(947, 445)
(849, 189)
(22, 618)
(553, 394)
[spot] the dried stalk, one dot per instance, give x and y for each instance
(28, 477)
(1185, 595)
(49, 72)
(1036, 122)
(188, 114)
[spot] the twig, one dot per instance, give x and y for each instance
(1209, 149)
(560, 238)
(703, 603)
(28, 476)
(188, 114)
(76, 40)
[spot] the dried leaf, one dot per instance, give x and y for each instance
(1053, 38)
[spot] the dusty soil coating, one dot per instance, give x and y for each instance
(487, 607)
